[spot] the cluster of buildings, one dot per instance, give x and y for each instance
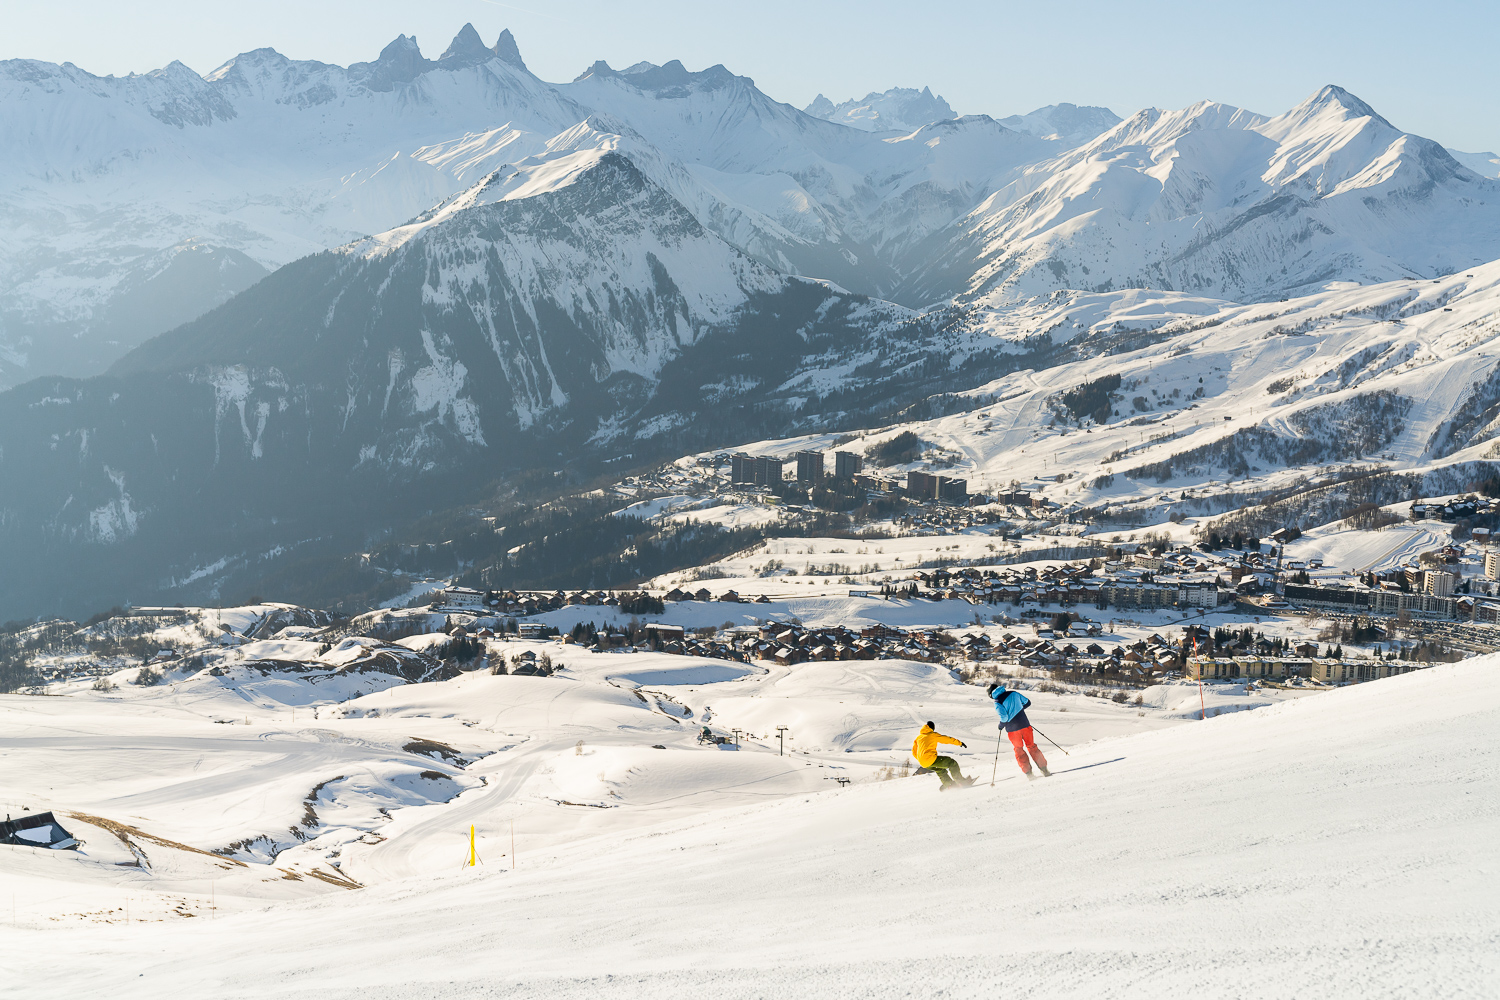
(1325, 670)
(754, 470)
(518, 603)
(703, 594)
(1111, 584)
(811, 466)
(1455, 509)
(1427, 593)
(941, 520)
(1384, 601)
(786, 644)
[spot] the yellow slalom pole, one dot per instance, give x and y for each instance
(471, 845)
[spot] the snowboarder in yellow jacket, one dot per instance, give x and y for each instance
(924, 749)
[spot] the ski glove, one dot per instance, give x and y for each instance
(963, 744)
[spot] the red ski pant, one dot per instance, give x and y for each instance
(1023, 742)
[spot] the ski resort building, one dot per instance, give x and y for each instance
(809, 466)
(929, 487)
(847, 465)
(1381, 601)
(463, 597)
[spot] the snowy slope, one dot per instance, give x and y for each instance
(1220, 402)
(1254, 854)
(271, 762)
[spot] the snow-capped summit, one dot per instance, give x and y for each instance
(1216, 200)
(274, 158)
(900, 109)
(1333, 141)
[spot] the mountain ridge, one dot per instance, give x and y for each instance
(276, 158)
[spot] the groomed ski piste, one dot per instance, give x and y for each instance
(1339, 844)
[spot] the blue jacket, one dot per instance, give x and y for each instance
(1011, 707)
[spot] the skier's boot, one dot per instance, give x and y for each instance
(1046, 773)
(966, 782)
(1030, 775)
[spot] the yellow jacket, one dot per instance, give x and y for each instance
(924, 747)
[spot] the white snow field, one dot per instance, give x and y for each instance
(1340, 845)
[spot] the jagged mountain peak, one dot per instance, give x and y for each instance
(399, 46)
(466, 47)
(1331, 112)
(507, 50)
(399, 62)
(902, 109)
(671, 79)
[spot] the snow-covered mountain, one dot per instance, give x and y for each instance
(1205, 406)
(563, 310)
(1219, 201)
(107, 181)
(633, 265)
(900, 109)
(267, 159)
(1066, 123)
(262, 161)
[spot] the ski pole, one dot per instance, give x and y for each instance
(996, 769)
(1047, 738)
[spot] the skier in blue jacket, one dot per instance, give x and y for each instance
(1011, 707)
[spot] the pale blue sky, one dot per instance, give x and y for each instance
(1430, 69)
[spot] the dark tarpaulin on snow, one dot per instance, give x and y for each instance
(41, 830)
